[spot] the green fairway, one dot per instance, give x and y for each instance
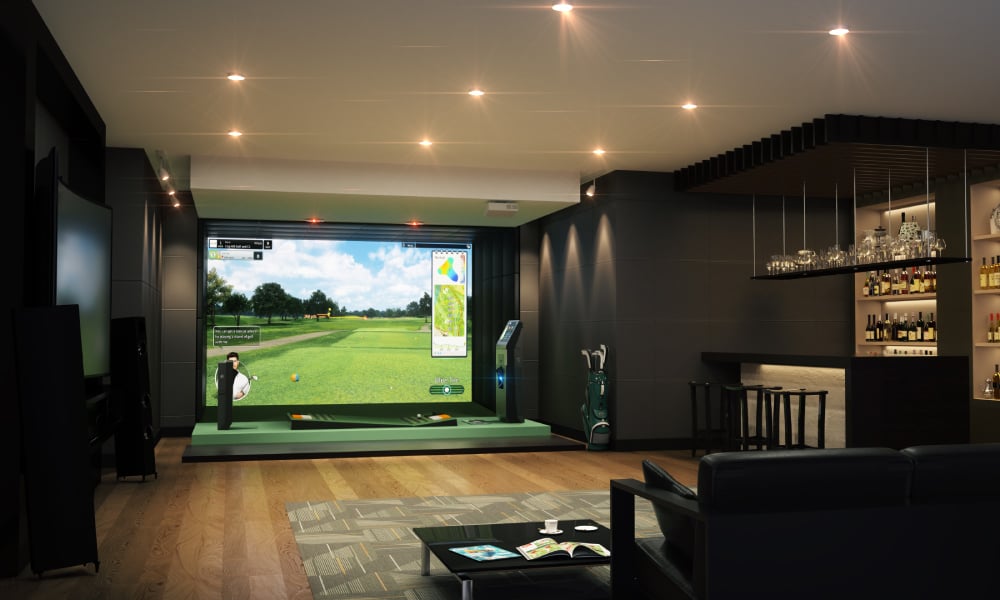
(357, 361)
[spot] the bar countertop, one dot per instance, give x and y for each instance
(797, 360)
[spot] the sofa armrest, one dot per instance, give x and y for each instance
(623, 549)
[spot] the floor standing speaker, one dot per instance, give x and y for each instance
(59, 491)
(130, 402)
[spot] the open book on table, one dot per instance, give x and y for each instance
(544, 547)
(484, 552)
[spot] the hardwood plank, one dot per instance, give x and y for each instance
(219, 530)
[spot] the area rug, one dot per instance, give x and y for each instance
(365, 549)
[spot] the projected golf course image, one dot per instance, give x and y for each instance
(342, 360)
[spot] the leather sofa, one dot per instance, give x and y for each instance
(856, 523)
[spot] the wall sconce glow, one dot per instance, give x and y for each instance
(563, 7)
(426, 143)
(689, 106)
(599, 151)
(591, 190)
(235, 77)
(234, 133)
(840, 31)
(476, 92)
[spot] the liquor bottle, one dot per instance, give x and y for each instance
(869, 330)
(933, 272)
(996, 379)
(885, 284)
(930, 334)
(915, 282)
(920, 326)
(865, 286)
(879, 331)
(983, 276)
(911, 330)
(904, 282)
(990, 331)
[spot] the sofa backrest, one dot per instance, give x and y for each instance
(803, 480)
(956, 473)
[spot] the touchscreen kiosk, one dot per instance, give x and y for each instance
(506, 399)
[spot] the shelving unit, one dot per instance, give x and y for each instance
(983, 198)
(874, 216)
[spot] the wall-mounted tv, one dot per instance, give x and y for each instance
(71, 262)
(334, 315)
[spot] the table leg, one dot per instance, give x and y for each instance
(425, 559)
(466, 588)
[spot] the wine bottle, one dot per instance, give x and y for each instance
(920, 326)
(911, 330)
(990, 330)
(904, 282)
(983, 276)
(996, 379)
(931, 334)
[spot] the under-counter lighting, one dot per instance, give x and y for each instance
(839, 31)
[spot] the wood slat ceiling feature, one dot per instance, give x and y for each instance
(841, 154)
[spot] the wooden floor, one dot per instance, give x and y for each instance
(219, 530)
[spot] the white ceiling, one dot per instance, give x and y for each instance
(362, 81)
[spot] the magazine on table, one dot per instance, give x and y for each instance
(545, 547)
(484, 552)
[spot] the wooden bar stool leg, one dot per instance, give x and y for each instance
(786, 399)
(821, 442)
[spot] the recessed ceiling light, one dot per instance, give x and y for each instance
(840, 31)
(234, 133)
(562, 6)
(599, 151)
(235, 77)
(476, 92)
(426, 143)
(689, 106)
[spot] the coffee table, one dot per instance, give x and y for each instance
(439, 540)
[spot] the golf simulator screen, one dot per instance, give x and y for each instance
(317, 319)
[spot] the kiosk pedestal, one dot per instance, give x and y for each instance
(506, 399)
(225, 374)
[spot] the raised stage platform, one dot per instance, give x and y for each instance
(275, 439)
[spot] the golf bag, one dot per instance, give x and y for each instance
(595, 406)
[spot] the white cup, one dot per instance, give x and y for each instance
(551, 525)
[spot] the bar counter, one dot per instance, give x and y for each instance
(887, 401)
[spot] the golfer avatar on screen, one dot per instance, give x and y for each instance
(241, 383)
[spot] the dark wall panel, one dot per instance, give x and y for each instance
(661, 276)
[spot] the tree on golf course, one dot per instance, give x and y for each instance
(216, 293)
(268, 300)
(236, 304)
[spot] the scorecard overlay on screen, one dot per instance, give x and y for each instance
(449, 303)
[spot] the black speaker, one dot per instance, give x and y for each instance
(130, 402)
(59, 491)
(224, 377)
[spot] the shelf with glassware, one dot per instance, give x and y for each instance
(984, 229)
(895, 302)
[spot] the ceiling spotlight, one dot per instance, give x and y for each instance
(840, 31)
(177, 202)
(164, 174)
(234, 133)
(562, 6)
(235, 77)
(591, 190)
(689, 106)
(426, 143)
(599, 151)
(476, 92)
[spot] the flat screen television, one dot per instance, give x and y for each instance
(338, 315)
(73, 261)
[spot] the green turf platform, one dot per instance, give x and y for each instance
(280, 432)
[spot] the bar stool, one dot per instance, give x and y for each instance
(799, 441)
(736, 403)
(708, 433)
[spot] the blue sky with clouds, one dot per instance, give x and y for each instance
(356, 274)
